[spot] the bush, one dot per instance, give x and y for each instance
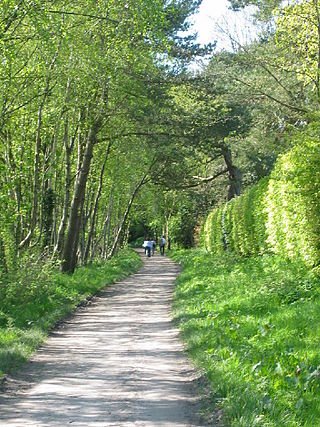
(280, 214)
(137, 243)
(212, 236)
(293, 202)
(260, 216)
(228, 219)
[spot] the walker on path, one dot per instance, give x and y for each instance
(162, 244)
(116, 362)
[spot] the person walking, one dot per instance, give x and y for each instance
(149, 247)
(162, 244)
(145, 246)
(153, 246)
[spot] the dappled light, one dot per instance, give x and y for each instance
(116, 362)
(122, 129)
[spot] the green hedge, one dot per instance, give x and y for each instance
(240, 223)
(280, 214)
(293, 201)
(212, 230)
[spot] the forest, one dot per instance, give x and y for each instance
(109, 135)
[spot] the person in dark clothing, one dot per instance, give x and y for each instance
(162, 244)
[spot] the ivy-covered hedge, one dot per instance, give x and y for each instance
(293, 201)
(280, 214)
(212, 231)
(245, 221)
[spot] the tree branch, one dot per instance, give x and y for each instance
(64, 12)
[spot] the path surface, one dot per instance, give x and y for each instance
(117, 362)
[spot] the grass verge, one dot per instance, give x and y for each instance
(38, 299)
(253, 325)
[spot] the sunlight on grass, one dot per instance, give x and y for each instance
(253, 325)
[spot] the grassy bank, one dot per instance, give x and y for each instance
(36, 299)
(253, 325)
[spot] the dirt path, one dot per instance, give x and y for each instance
(117, 362)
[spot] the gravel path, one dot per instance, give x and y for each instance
(117, 362)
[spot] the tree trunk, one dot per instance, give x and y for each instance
(168, 214)
(18, 227)
(79, 242)
(167, 232)
(108, 220)
(126, 214)
(3, 263)
(95, 208)
(67, 186)
(108, 230)
(34, 210)
(235, 176)
(105, 248)
(68, 263)
(102, 238)
(48, 208)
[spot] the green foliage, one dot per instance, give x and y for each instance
(259, 235)
(38, 297)
(137, 243)
(280, 214)
(297, 33)
(69, 73)
(293, 200)
(206, 231)
(245, 221)
(181, 225)
(263, 8)
(227, 224)
(240, 222)
(253, 326)
(211, 233)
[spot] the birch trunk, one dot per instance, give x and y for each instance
(68, 263)
(37, 148)
(95, 207)
(126, 214)
(67, 186)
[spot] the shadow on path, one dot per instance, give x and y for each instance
(116, 362)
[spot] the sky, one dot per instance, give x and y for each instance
(215, 22)
(210, 11)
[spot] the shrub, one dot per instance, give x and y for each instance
(280, 214)
(260, 216)
(137, 243)
(293, 202)
(228, 219)
(212, 234)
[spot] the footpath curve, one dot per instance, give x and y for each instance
(117, 362)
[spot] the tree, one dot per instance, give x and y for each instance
(264, 8)
(298, 37)
(74, 90)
